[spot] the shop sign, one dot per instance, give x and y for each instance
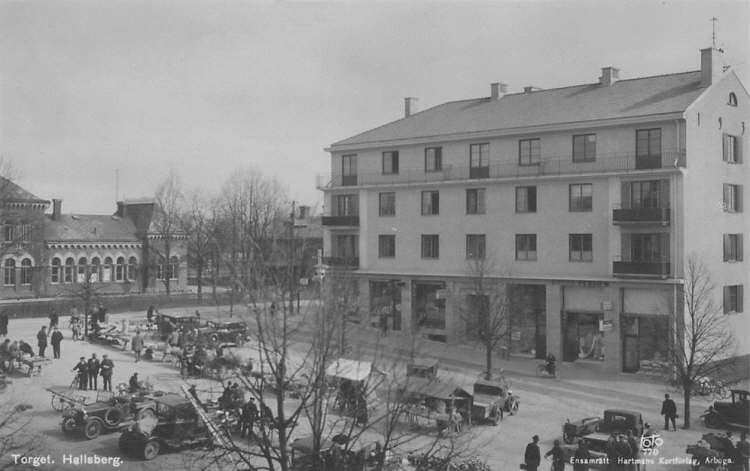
(606, 326)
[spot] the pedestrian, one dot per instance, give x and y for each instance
(635, 451)
(532, 456)
(106, 368)
(94, 367)
(624, 453)
(41, 338)
(150, 314)
(669, 411)
(54, 319)
(558, 457)
(133, 383)
(55, 340)
(743, 452)
(137, 345)
(102, 314)
(582, 457)
(3, 324)
(611, 451)
(249, 414)
(83, 373)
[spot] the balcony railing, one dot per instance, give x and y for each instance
(548, 166)
(641, 216)
(642, 268)
(349, 221)
(342, 262)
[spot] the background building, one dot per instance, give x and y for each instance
(585, 202)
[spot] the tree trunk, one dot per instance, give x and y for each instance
(686, 393)
(199, 280)
(488, 359)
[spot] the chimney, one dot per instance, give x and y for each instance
(120, 209)
(710, 66)
(56, 209)
(410, 106)
(497, 89)
(609, 76)
(530, 89)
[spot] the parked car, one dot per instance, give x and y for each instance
(729, 414)
(167, 322)
(105, 415)
(599, 428)
(217, 332)
(490, 398)
(176, 425)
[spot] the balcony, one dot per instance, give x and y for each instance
(342, 262)
(641, 216)
(548, 166)
(340, 221)
(644, 268)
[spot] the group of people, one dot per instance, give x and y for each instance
(89, 370)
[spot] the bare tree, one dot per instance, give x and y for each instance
(14, 439)
(199, 223)
(486, 310)
(166, 226)
(702, 337)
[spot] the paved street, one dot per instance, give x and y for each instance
(545, 403)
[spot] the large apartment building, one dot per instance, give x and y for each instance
(585, 201)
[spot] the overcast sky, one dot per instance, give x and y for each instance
(204, 87)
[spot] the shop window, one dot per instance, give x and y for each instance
(9, 272)
(429, 305)
(55, 272)
(385, 304)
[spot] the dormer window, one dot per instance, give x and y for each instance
(732, 99)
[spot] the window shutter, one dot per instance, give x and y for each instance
(725, 197)
(738, 198)
(664, 194)
(727, 241)
(726, 300)
(625, 195)
(532, 199)
(739, 246)
(664, 247)
(395, 162)
(738, 148)
(740, 297)
(724, 147)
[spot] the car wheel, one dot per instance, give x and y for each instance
(568, 438)
(712, 421)
(69, 425)
(151, 450)
(113, 416)
(92, 428)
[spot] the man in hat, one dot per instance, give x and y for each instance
(532, 456)
(41, 338)
(55, 340)
(94, 367)
(669, 411)
(249, 414)
(105, 370)
(83, 373)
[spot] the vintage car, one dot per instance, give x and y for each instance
(217, 332)
(167, 322)
(90, 420)
(176, 425)
(492, 398)
(730, 414)
(599, 428)
(422, 368)
(714, 451)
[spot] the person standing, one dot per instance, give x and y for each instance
(582, 457)
(55, 340)
(3, 324)
(106, 367)
(83, 373)
(41, 338)
(54, 319)
(94, 367)
(669, 411)
(150, 314)
(635, 451)
(558, 457)
(137, 345)
(743, 452)
(532, 457)
(249, 414)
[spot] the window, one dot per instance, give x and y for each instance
(430, 203)
(9, 232)
(174, 264)
(649, 194)
(120, 269)
(479, 160)
(580, 197)
(69, 268)
(645, 248)
(386, 246)
(648, 148)
(26, 271)
(433, 159)
(731, 149)
(81, 277)
(390, 162)
(580, 248)
(525, 246)
(346, 205)
(346, 247)
(55, 273)
(526, 199)
(132, 268)
(95, 270)
(387, 204)
(584, 148)
(733, 299)
(107, 270)
(529, 152)
(732, 99)
(24, 232)
(349, 169)
(475, 201)
(475, 246)
(9, 272)
(733, 198)
(732, 247)
(430, 246)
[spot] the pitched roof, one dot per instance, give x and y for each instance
(90, 228)
(11, 192)
(589, 102)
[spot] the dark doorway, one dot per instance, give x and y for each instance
(581, 336)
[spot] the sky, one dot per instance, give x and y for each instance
(90, 89)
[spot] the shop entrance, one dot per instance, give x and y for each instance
(385, 304)
(645, 340)
(582, 338)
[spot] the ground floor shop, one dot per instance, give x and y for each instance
(622, 326)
